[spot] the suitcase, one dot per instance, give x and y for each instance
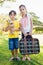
(30, 47)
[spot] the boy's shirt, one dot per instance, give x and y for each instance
(16, 25)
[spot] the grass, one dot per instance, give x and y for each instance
(36, 59)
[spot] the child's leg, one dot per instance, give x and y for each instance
(28, 57)
(12, 58)
(24, 58)
(27, 38)
(23, 37)
(16, 48)
(11, 47)
(12, 53)
(16, 52)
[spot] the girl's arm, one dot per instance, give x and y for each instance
(21, 29)
(31, 23)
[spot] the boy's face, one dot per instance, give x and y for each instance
(12, 16)
(23, 10)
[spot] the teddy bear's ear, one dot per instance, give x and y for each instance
(8, 21)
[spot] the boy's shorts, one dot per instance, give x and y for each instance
(13, 43)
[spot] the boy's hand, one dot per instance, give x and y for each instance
(16, 29)
(3, 29)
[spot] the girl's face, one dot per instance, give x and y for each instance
(12, 16)
(23, 10)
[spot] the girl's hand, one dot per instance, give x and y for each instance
(30, 33)
(25, 34)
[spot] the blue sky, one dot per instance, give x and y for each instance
(31, 5)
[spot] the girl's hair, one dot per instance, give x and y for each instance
(22, 6)
(12, 11)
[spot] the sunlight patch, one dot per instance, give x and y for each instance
(41, 50)
(0, 42)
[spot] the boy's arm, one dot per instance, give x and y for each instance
(6, 26)
(6, 29)
(17, 29)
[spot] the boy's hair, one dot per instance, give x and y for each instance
(22, 6)
(11, 12)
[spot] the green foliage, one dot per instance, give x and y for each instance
(2, 1)
(36, 20)
(5, 0)
(37, 24)
(38, 30)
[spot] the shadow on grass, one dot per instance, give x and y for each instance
(15, 62)
(4, 60)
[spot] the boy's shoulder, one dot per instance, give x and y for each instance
(16, 21)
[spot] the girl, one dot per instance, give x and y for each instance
(26, 26)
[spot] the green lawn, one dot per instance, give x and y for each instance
(36, 59)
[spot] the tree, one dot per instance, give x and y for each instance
(37, 24)
(2, 1)
(36, 20)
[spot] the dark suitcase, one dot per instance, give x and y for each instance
(30, 47)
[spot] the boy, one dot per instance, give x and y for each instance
(13, 27)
